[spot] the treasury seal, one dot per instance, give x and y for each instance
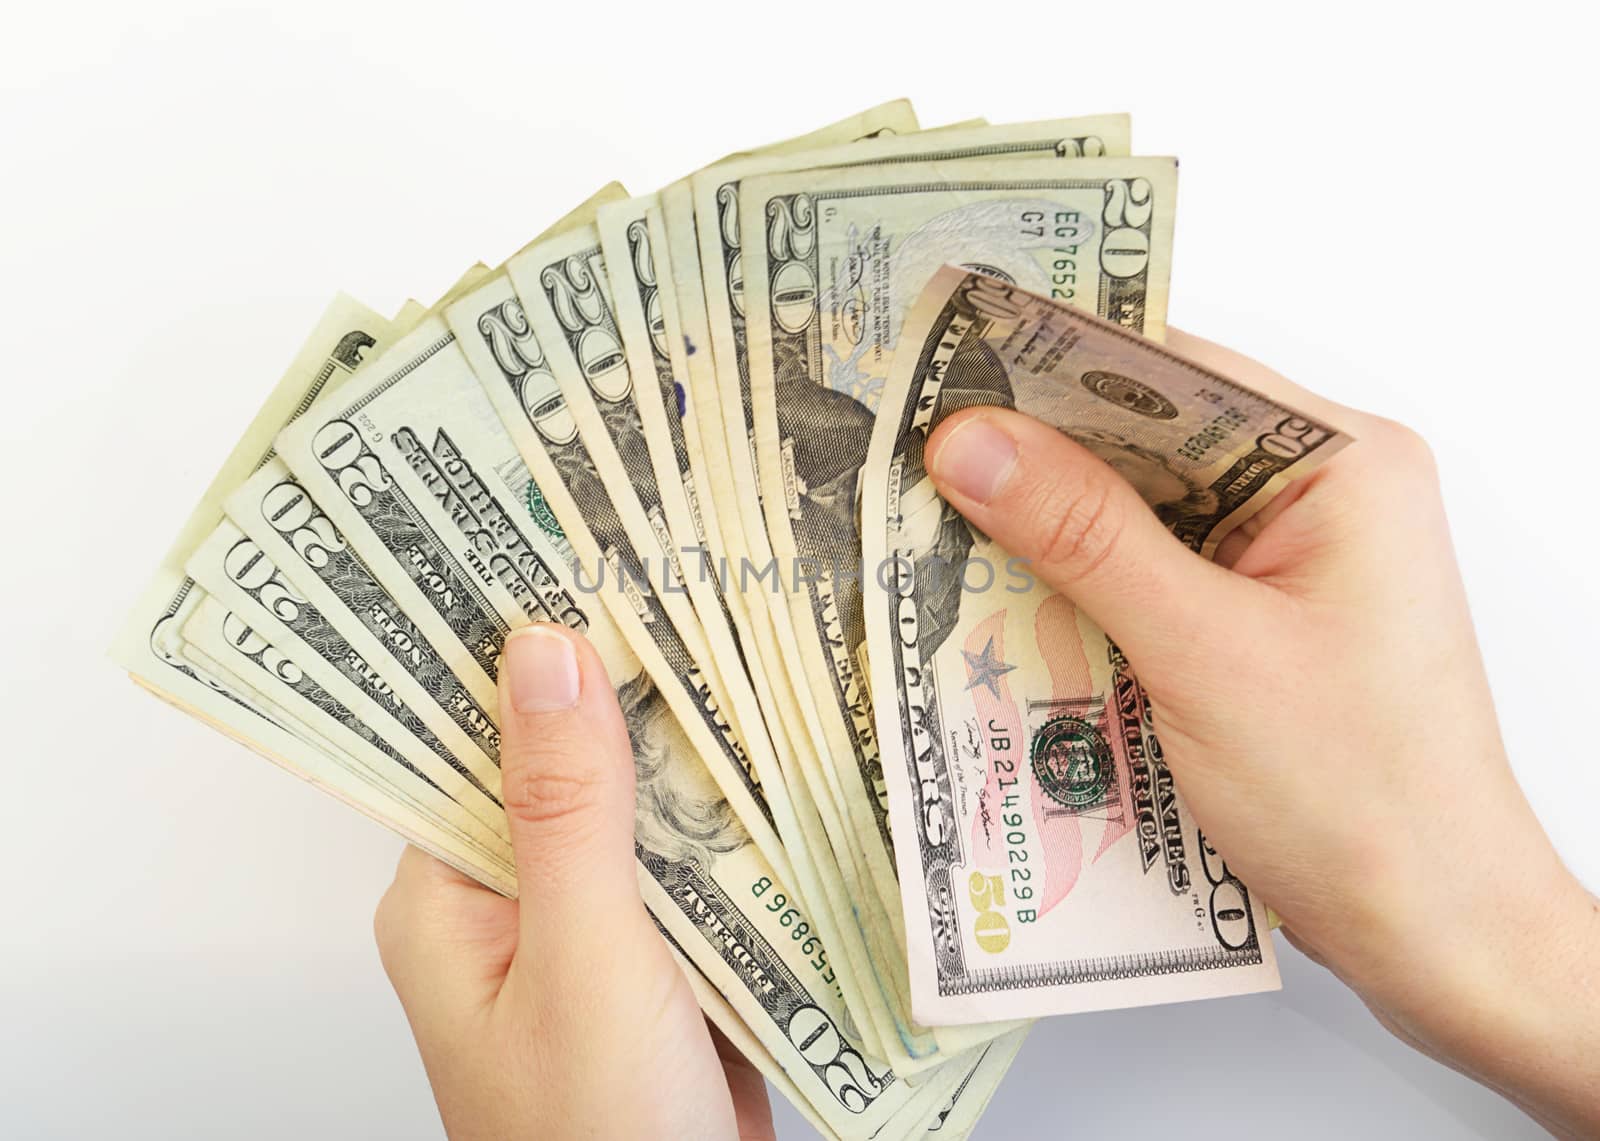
(1072, 763)
(539, 508)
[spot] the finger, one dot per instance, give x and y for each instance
(1237, 541)
(751, 1106)
(418, 866)
(1085, 532)
(566, 771)
(1364, 487)
(444, 939)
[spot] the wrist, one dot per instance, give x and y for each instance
(1510, 996)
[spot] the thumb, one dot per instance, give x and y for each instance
(566, 776)
(1085, 532)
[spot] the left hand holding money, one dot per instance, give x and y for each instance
(560, 1014)
(1324, 711)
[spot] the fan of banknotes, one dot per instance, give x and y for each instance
(896, 796)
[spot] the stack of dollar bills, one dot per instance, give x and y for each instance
(896, 797)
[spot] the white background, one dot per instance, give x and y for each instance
(1393, 209)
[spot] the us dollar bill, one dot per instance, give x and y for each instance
(634, 239)
(347, 335)
(333, 675)
(455, 627)
(150, 646)
(708, 232)
(841, 254)
(868, 941)
(953, 1120)
(873, 238)
(340, 600)
(416, 807)
(410, 433)
(985, 1065)
(711, 219)
(716, 214)
(509, 362)
(438, 444)
(633, 245)
(499, 355)
(1029, 790)
(720, 1013)
(649, 314)
(621, 228)
(313, 556)
(564, 290)
(700, 365)
(671, 231)
(884, 120)
(344, 773)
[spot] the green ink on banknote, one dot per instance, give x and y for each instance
(539, 508)
(1072, 763)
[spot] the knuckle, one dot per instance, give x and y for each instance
(389, 925)
(1085, 525)
(544, 786)
(1406, 447)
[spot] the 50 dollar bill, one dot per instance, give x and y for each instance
(1047, 864)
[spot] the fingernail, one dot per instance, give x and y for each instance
(541, 670)
(975, 459)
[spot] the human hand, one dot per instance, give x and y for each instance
(1322, 705)
(562, 1013)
